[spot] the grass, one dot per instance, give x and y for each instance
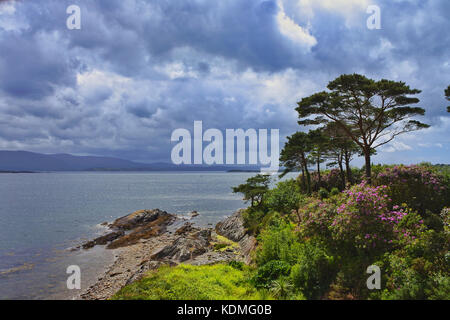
(222, 244)
(186, 282)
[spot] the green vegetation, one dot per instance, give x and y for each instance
(222, 244)
(255, 189)
(322, 249)
(185, 282)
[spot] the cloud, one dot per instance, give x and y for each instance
(292, 30)
(139, 69)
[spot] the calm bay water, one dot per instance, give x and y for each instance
(44, 214)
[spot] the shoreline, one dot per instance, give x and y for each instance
(153, 238)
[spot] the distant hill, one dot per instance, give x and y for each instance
(20, 161)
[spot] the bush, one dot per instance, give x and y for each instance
(334, 192)
(277, 242)
(329, 179)
(323, 193)
(420, 187)
(315, 218)
(239, 265)
(365, 223)
(269, 272)
(314, 271)
(284, 198)
(252, 220)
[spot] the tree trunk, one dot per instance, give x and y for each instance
(303, 179)
(347, 168)
(318, 172)
(368, 166)
(308, 176)
(341, 169)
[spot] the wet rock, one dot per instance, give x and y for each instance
(137, 218)
(194, 214)
(186, 228)
(148, 230)
(103, 240)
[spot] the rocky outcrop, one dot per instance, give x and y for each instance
(232, 227)
(248, 244)
(137, 218)
(103, 240)
(145, 231)
(185, 248)
(132, 228)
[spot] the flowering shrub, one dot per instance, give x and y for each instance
(315, 217)
(417, 186)
(364, 218)
(329, 179)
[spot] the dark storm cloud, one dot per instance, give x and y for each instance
(139, 69)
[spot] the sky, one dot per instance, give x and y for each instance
(139, 69)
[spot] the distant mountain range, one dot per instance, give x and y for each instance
(23, 161)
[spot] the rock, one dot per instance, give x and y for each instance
(103, 239)
(112, 275)
(185, 248)
(144, 267)
(232, 227)
(194, 214)
(146, 230)
(248, 244)
(186, 228)
(137, 218)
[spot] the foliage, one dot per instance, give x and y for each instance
(294, 156)
(284, 198)
(269, 272)
(278, 242)
(323, 193)
(420, 187)
(314, 271)
(281, 288)
(256, 220)
(334, 192)
(186, 282)
(255, 189)
(329, 179)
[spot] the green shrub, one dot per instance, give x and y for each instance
(269, 272)
(252, 220)
(323, 193)
(239, 265)
(334, 192)
(314, 271)
(420, 187)
(284, 198)
(277, 242)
